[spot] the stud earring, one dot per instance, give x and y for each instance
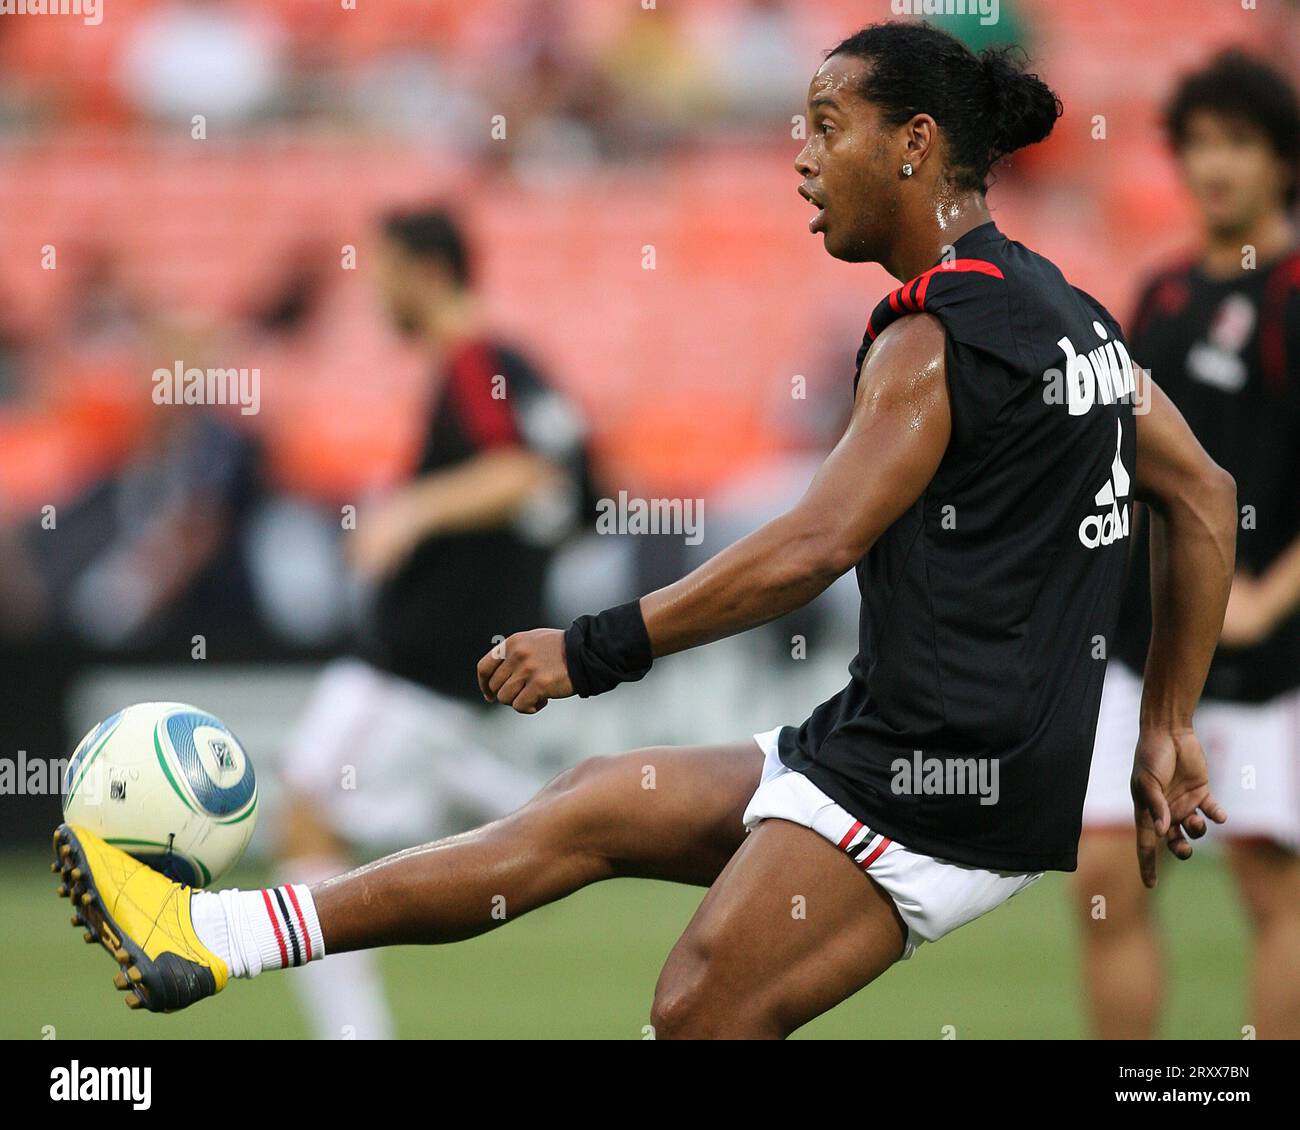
(907, 169)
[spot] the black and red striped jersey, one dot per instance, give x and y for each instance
(1227, 353)
(439, 613)
(966, 727)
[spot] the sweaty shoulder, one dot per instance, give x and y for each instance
(915, 343)
(906, 369)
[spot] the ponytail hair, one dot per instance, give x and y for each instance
(1024, 108)
(987, 104)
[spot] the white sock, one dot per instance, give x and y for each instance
(344, 999)
(256, 930)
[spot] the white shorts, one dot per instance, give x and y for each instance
(383, 759)
(933, 896)
(1252, 750)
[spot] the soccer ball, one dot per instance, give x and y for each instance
(167, 783)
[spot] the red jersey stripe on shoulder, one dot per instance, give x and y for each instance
(487, 418)
(911, 295)
(957, 266)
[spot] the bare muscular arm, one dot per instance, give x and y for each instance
(1193, 512)
(891, 449)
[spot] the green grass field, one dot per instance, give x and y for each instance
(587, 967)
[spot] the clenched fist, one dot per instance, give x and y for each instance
(526, 670)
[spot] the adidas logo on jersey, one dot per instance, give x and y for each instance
(1103, 375)
(1103, 529)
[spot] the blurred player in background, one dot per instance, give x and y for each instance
(1221, 333)
(458, 557)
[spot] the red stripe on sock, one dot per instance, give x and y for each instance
(301, 921)
(275, 925)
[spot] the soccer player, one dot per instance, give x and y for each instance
(1220, 333)
(980, 493)
(456, 555)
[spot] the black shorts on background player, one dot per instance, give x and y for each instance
(1227, 353)
(983, 605)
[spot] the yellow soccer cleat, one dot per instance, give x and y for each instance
(141, 917)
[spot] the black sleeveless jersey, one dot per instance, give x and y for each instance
(966, 728)
(1227, 353)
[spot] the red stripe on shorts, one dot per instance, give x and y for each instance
(885, 841)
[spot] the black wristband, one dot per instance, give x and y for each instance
(605, 650)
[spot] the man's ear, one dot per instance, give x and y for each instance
(921, 136)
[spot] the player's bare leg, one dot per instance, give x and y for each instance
(1123, 970)
(1268, 880)
(664, 813)
(791, 928)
